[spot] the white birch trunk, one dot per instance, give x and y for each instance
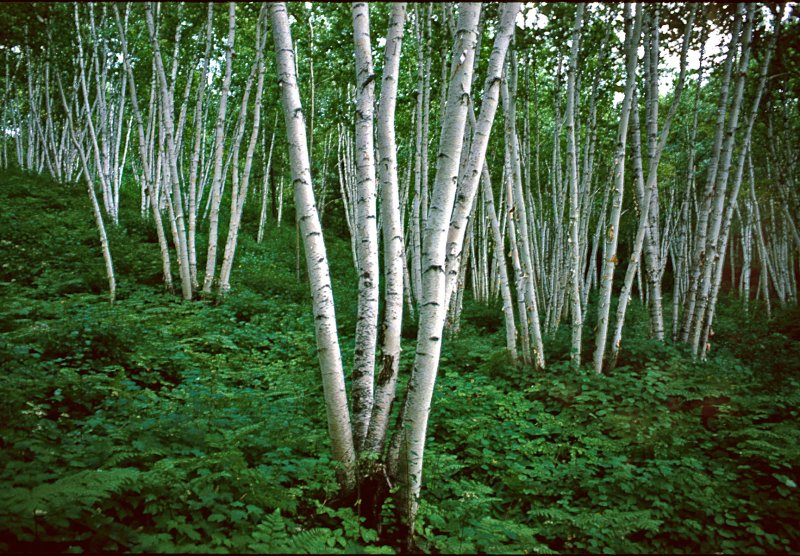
(366, 222)
(198, 142)
(633, 31)
(316, 258)
(574, 206)
(732, 203)
(169, 127)
(219, 145)
(98, 215)
(146, 173)
(477, 153)
(433, 308)
(393, 248)
(500, 261)
(699, 255)
(711, 253)
(239, 196)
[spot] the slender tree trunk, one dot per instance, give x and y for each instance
(477, 153)
(98, 215)
(633, 31)
(330, 358)
(199, 136)
(521, 216)
(500, 260)
(267, 181)
(649, 190)
(433, 308)
(732, 202)
(699, 255)
(574, 209)
(366, 222)
(168, 112)
(219, 145)
(393, 248)
(711, 253)
(146, 173)
(239, 197)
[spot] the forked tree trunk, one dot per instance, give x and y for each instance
(172, 161)
(477, 153)
(239, 194)
(732, 202)
(433, 308)
(649, 190)
(393, 247)
(699, 252)
(366, 222)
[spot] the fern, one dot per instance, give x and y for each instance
(62, 501)
(273, 537)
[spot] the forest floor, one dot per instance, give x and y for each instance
(159, 425)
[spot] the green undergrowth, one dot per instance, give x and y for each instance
(158, 425)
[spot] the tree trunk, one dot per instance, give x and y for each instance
(316, 258)
(366, 222)
(239, 195)
(574, 206)
(219, 145)
(146, 173)
(633, 31)
(168, 112)
(393, 247)
(433, 308)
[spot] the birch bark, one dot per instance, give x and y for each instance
(574, 206)
(699, 255)
(169, 127)
(198, 142)
(520, 214)
(219, 145)
(633, 27)
(650, 189)
(146, 173)
(98, 215)
(330, 358)
(711, 253)
(732, 202)
(433, 308)
(366, 222)
(393, 248)
(500, 261)
(239, 195)
(477, 153)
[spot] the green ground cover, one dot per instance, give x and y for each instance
(160, 425)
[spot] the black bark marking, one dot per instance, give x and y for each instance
(386, 370)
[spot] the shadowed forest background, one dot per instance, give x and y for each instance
(388, 277)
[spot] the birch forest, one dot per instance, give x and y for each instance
(400, 277)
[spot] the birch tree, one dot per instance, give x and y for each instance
(366, 222)
(219, 144)
(172, 160)
(241, 182)
(433, 309)
(393, 245)
(330, 359)
(574, 211)
(633, 25)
